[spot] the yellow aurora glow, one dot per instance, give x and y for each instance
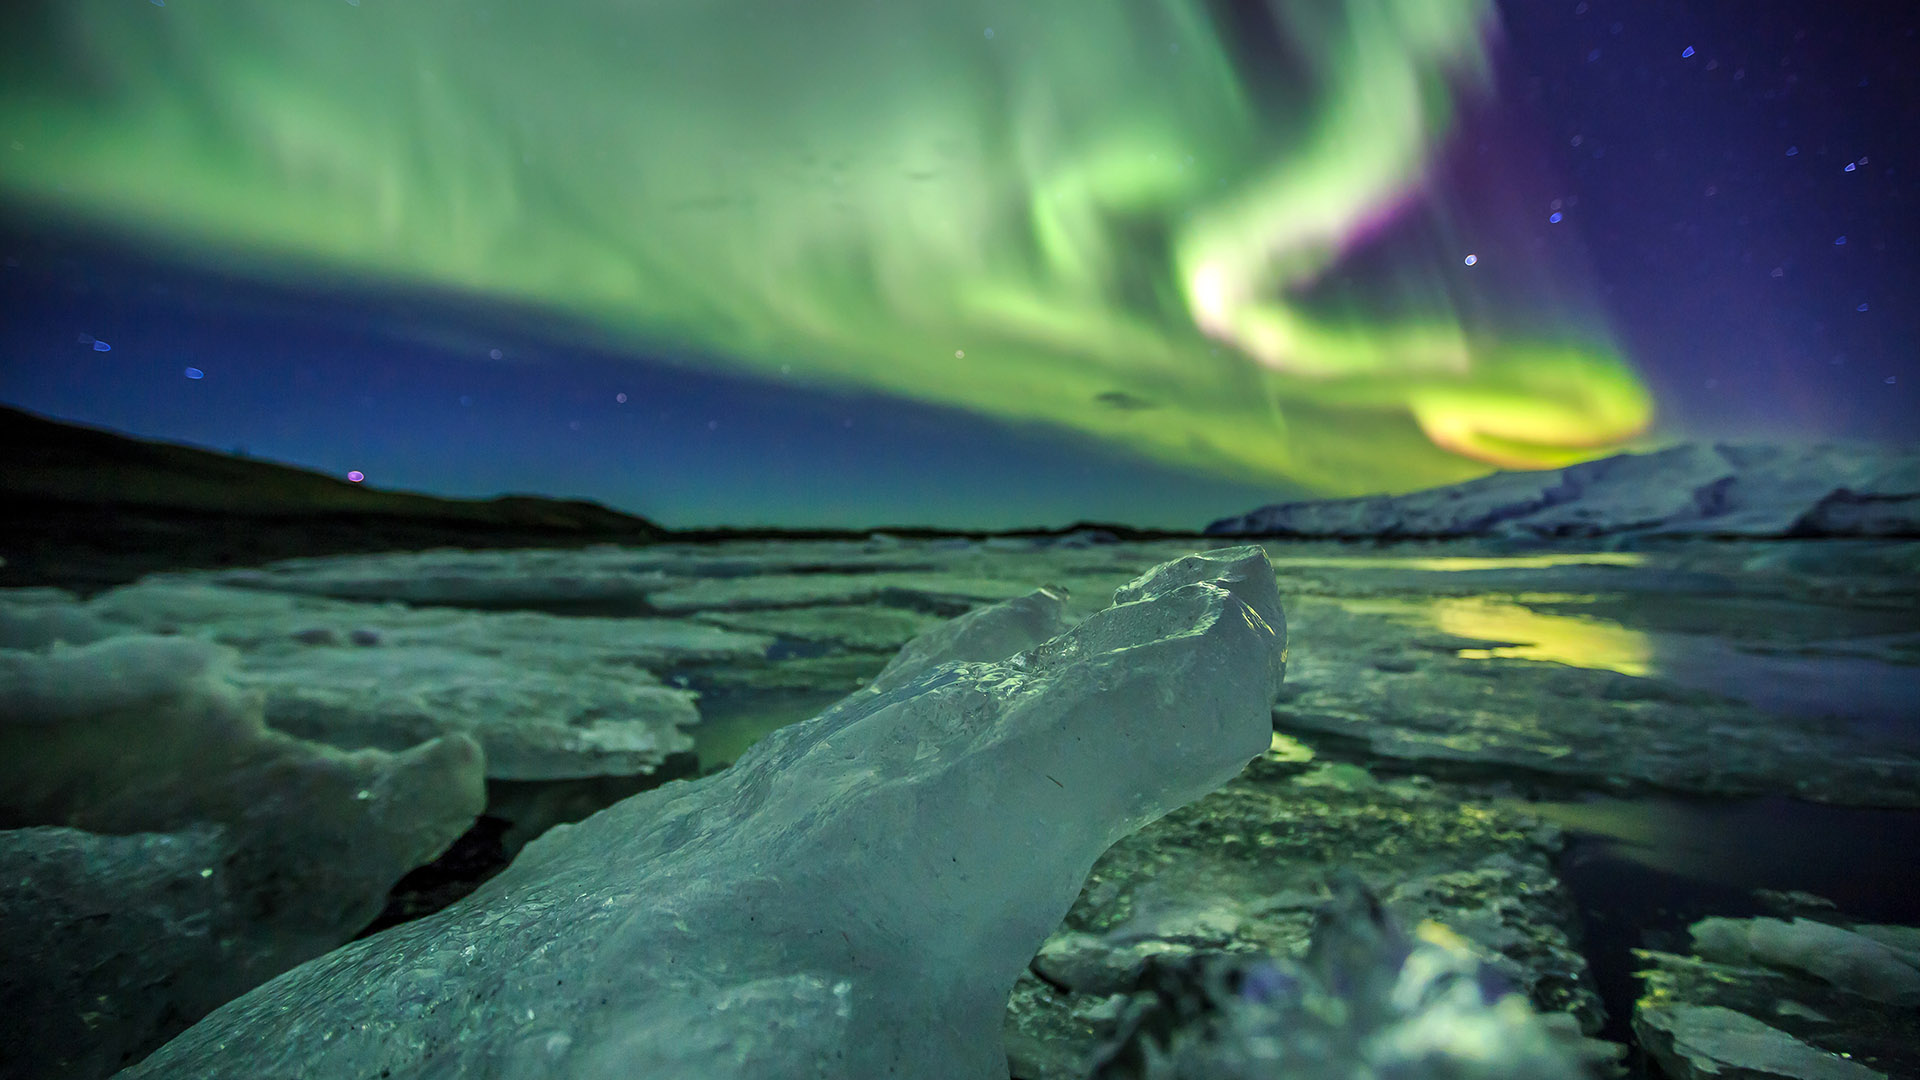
(1112, 216)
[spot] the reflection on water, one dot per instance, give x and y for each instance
(1642, 870)
(1789, 658)
(1810, 679)
(1574, 640)
(1458, 562)
(1287, 748)
(1863, 859)
(1522, 633)
(1878, 698)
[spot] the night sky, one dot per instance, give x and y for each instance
(1150, 268)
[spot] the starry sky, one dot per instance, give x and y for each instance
(970, 264)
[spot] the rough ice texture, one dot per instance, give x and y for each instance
(946, 577)
(990, 633)
(1772, 998)
(1368, 1001)
(604, 576)
(1238, 875)
(535, 723)
(1851, 961)
(143, 733)
(852, 627)
(547, 697)
(854, 898)
(1699, 1042)
(295, 843)
(628, 581)
(1700, 489)
(111, 945)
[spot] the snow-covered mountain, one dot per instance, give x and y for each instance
(1706, 489)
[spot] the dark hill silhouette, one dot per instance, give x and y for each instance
(87, 508)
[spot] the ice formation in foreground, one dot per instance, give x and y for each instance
(162, 849)
(854, 898)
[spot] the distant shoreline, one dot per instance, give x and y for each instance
(90, 508)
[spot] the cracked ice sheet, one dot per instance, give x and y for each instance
(141, 734)
(950, 595)
(1398, 691)
(535, 724)
(605, 575)
(1244, 871)
(460, 578)
(730, 574)
(547, 697)
(960, 578)
(254, 620)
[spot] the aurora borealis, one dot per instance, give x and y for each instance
(1028, 213)
(1215, 234)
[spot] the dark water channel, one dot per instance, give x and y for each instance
(1642, 870)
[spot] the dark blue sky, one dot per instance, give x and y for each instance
(1714, 196)
(1707, 196)
(408, 392)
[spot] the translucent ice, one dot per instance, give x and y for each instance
(854, 898)
(162, 850)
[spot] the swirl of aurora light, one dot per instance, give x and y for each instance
(1096, 214)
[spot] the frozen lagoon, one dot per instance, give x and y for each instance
(1500, 684)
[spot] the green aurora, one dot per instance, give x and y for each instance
(1091, 215)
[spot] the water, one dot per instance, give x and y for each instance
(1642, 870)
(1794, 660)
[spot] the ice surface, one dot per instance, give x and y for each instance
(30, 624)
(547, 697)
(1369, 1000)
(863, 627)
(1707, 489)
(283, 848)
(854, 898)
(1779, 998)
(994, 632)
(1238, 875)
(1851, 961)
(604, 576)
(951, 590)
(536, 723)
(1381, 674)
(110, 945)
(270, 623)
(1698, 1042)
(945, 576)
(143, 733)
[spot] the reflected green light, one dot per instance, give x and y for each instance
(1577, 641)
(1522, 633)
(1094, 205)
(1458, 563)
